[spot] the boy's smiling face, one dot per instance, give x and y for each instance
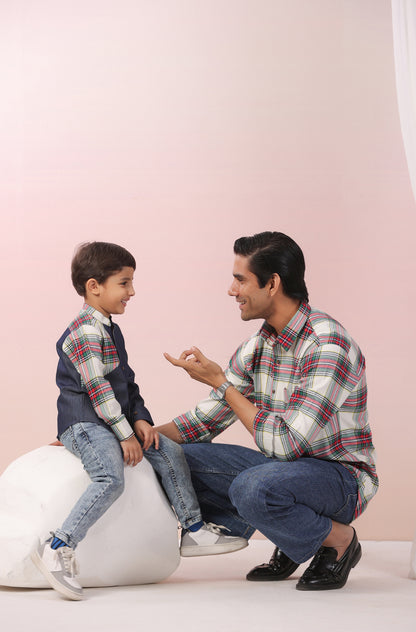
(111, 296)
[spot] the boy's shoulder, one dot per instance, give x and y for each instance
(86, 322)
(82, 332)
(83, 318)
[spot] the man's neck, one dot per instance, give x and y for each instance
(286, 309)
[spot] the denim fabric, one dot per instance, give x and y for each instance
(170, 464)
(291, 502)
(102, 457)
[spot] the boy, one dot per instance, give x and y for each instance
(102, 419)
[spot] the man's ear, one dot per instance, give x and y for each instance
(274, 283)
(92, 286)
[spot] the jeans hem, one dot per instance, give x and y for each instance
(189, 523)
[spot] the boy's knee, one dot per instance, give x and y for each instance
(116, 486)
(170, 450)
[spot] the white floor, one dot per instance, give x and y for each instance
(211, 594)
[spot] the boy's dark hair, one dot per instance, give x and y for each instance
(271, 252)
(98, 260)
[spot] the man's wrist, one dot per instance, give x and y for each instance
(220, 391)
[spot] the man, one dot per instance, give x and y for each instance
(298, 386)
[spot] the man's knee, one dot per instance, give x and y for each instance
(196, 455)
(246, 493)
(257, 488)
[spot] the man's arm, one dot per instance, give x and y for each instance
(170, 430)
(327, 379)
(208, 372)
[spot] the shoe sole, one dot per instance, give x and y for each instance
(197, 551)
(62, 590)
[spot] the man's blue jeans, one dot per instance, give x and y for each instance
(101, 454)
(291, 502)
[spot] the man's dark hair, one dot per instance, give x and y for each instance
(271, 252)
(98, 260)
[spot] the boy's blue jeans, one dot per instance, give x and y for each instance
(102, 457)
(291, 502)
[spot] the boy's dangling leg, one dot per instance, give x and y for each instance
(198, 537)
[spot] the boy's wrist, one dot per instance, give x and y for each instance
(122, 429)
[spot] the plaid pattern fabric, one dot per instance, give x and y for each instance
(310, 388)
(93, 354)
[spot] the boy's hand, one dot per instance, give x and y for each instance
(132, 451)
(146, 433)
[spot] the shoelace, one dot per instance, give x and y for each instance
(69, 560)
(216, 528)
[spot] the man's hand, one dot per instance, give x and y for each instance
(146, 433)
(199, 367)
(132, 451)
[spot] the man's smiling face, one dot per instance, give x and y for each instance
(254, 301)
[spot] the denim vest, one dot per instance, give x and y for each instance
(74, 404)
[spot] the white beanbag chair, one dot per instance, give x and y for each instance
(135, 542)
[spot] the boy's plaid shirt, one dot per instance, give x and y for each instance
(310, 388)
(94, 356)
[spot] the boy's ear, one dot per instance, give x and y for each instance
(92, 286)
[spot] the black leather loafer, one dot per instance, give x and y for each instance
(279, 567)
(325, 572)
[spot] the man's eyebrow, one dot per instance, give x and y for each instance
(239, 277)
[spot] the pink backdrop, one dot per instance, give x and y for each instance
(173, 127)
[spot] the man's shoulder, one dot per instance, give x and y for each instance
(329, 331)
(324, 325)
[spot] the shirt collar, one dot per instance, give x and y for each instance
(292, 330)
(96, 314)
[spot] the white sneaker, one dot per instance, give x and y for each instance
(59, 567)
(209, 540)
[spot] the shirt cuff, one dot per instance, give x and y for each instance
(191, 431)
(122, 429)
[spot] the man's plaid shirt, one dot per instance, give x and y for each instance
(310, 388)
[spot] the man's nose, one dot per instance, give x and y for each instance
(232, 290)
